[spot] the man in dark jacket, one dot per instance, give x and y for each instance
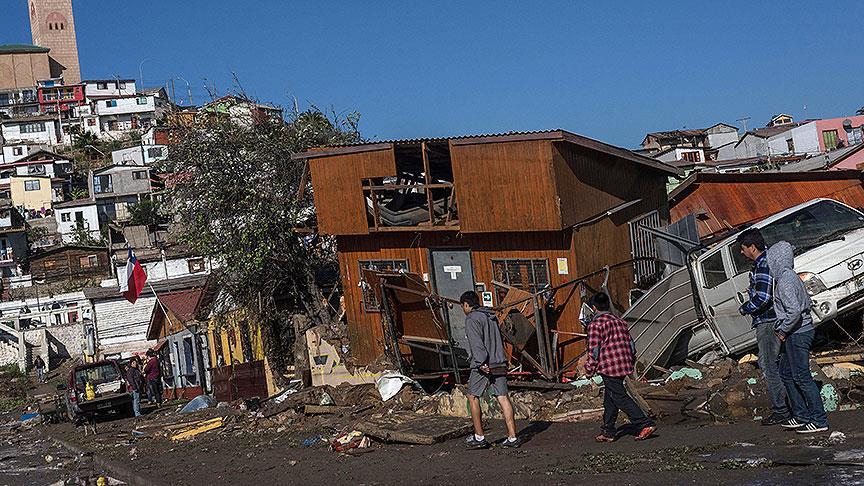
(760, 306)
(611, 355)
(794, 328)
(39, 364)
(153, 375)
(488, 369)
(135, 385)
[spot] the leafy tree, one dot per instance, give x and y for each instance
(860, 111)
(235, 190)
(148, 213)
(84, 237)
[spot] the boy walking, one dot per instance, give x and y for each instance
(611, 354)
(794, 328)
(488, 369)
(760, 307)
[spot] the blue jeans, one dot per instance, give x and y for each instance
(803, 392)
(136, 403)
(769, 354)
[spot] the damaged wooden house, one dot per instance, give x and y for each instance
(525, 212)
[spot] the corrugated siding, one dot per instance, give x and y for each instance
(729, 204)
(121, 326)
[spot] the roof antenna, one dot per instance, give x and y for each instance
(743, 121)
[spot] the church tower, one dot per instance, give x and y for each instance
(53, 26)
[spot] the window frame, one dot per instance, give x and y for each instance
(65, 217)
(101, 85)
(368, 294)
(713, 285)
(98, 188)
(28, 186)
(137, 175)
(533, 286)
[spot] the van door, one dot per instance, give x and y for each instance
(719, 287)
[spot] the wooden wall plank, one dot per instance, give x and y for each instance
(337, 189)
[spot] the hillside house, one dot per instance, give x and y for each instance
(529, 210)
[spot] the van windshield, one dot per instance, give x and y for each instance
(806, 229)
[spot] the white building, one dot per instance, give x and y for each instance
(73, 215)
(114, 107)
(34, 130)
(140, 155)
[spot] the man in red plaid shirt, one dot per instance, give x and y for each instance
(611, 355)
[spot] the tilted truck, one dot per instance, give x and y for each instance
(694, 310)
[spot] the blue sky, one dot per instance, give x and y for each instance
(608, 70)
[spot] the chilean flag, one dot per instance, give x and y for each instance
(133, 281)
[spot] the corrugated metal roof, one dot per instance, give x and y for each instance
(553, 135)
(411, 141)
(182, 303)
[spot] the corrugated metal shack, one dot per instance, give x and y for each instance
(527, 211)
(722, 202)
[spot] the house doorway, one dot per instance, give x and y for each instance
(452, 275)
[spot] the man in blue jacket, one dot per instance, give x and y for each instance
(760, 307)
(794, 328)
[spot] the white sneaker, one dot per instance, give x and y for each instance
(812, 429)
(792, 424)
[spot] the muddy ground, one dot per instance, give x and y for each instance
(557, 453)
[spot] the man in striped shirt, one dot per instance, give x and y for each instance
(611, 355)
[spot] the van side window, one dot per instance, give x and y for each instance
(713, 271)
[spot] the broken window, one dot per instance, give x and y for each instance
(530, 275)
(642, 246)
(713, 271)
(420, 194)
(370, 300)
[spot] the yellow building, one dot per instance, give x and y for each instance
(239, 366)
(31, 192)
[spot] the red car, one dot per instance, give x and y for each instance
(109, 385)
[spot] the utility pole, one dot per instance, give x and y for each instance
(173, 96)
(743, 121)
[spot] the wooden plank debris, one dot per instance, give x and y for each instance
(414, 428)
(201, 427)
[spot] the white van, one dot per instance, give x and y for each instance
(828, 237)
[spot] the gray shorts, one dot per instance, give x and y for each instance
(478, 383)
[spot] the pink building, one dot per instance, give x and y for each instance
(834, 130)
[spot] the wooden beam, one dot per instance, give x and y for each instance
(428, 178)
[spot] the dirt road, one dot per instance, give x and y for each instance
(682, 453)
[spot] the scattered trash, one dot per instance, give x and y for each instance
(829, 397)
(390, 383)
(837, 437)
(224, 405)
(199, 402)
(198, 428)
(685, 372)
(49, 458)
(277, 399)
(751, 381)
(757, 418)
(310, 441)
(352, 440)
(748, 358)
(326, 399)
(137, 433)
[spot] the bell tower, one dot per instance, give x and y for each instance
(52, 25)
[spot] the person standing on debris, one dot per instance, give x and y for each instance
(611, 354)
(135, 385)
(153, 375)
(488, 369)
(760, 306)
(39, 365)
(794, 328)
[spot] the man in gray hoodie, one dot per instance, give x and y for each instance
(794, 328)
(488, 369)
